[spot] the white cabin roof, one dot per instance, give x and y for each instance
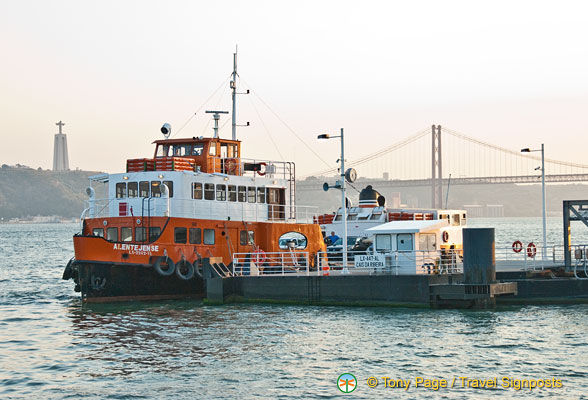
(408, 227)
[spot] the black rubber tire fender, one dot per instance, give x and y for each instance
(171, 267)
(188, 267)
(68, 271)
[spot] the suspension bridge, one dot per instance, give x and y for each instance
(437, 155)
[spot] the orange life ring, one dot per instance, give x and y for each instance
(445, 236)
(517, 246)
(258, 256)
(230, 165)
(531, 250)
(260, 173)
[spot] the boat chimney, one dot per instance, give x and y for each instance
(370, 198)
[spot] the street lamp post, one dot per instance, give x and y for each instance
(527, 150)
(343, 197)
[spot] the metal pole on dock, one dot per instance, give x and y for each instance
(527, 150)
(544, 252)
(343, 201)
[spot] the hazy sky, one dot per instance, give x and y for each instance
(508, 72)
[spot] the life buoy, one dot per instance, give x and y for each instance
(517, 246)
(164, 266)
(231, 165)
(185, 270)
(531, 250)
(262, 173)
(258, 256)
(445, 236)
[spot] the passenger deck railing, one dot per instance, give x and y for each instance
(414, 262)
(244, 167)
(274, 263)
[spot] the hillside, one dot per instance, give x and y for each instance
(30, 192)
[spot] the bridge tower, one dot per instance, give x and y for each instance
(60, 159)
(436, 168)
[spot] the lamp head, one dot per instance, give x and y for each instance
(526, 150)
(323, 136)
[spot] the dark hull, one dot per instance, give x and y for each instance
(108, 282)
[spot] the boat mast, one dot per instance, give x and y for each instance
(234, 89)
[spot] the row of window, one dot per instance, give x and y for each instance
(181, 235)
(242, 194)
(126, 234)
(206, 191)
(193, 235)
(142, 189)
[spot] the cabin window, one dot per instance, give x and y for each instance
(463, 219)
(162, 150)
(98, 232)
(180, 235)
(242, 194)
(338, 217)
(212, 149)
(229, 150)
(383, 242)
(232, 193)
(221, 193)
(133, 189)
(247, 238)
(209, 236)
(197, 149)
(154, 233)
(233, 151)
(292, 240)
(455, 220)
(170, 186)
(209, 191)
(112, 234)
(375, 216)
(140, 234)
(427, 242)
(126, 234)
(404, 242)
(121, 190)
(273, 195)
(260, 195)
(251, 194)
(196, 190)
(195, 236)
(144, 189)
(181, 150)
(351, 217)
(155, 189)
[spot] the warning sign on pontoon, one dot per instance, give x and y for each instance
(137, 249)
(370, 261)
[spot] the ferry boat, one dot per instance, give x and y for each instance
(414, 240)
(372, 212)
(196, 198)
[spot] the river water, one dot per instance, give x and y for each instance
(51, 347)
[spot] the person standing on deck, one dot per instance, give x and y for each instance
(333, 238)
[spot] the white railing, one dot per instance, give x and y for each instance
(202, 209)
(269, 169)
(395, 262)
(535, 258)
(276, 263)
